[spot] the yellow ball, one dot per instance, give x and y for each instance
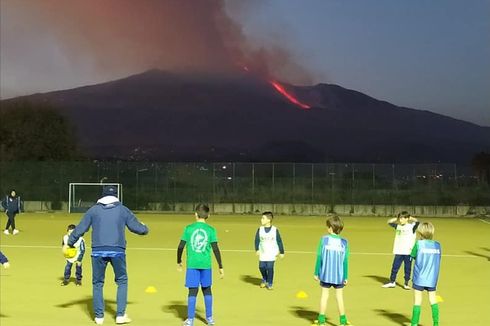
(70, 252)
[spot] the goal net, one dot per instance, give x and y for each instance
(83, 195)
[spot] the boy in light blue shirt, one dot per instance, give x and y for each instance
(427, 255)
(331, 267)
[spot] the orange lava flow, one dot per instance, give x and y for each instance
(290, 97)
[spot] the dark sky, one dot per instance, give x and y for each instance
(431, 55)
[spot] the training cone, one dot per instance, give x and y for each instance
(439, 299)
(301, 295)
(151, 289)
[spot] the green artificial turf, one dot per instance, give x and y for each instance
(31, 295)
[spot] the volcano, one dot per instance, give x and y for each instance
(159, 115)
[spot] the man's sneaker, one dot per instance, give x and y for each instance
(99, 320)
(262, 285)
(210, 320)
(269, 287)
(78, 283)
(15, 231)
(389, 285)
(64, 283)
(6, 232)
(188, 322)
(123, 319)
(407, 287)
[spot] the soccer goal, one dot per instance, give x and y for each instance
(83, 195)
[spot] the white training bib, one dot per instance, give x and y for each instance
(268, 247)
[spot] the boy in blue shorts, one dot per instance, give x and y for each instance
(427, 255)
(268, 245)
(332, 267)
(200, 239)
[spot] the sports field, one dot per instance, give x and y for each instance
(31, 294)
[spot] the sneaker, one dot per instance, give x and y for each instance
(407, 287)
(389, 285)
(99, 320)
(123, 319)
(64, 283)
(78, 283)
(15, 231)
(269, 287)
(188, 322)
(210, 320)
(262, 285)
(6, 232)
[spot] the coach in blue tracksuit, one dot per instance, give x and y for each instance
(109, 219)
(12, 206)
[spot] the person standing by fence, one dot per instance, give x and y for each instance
(12, 205)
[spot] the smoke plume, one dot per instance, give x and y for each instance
(134, 35)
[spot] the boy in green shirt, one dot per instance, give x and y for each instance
(200, 238)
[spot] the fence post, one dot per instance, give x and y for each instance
(233, 187)
(312, 184)
(273, 184)
(352, 186)
(333, 192)
(374, 185)
(214, 185)
(456, 182)
(294, 183)
(392, 194)
(253, 186)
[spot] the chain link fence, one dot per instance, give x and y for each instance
(147, 183)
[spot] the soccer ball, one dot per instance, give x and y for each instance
(69, 252)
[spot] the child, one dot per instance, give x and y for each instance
(332, 267)
(268, 244)
(427, 255)
(77, 259)
(200, 238)
(4, 261)
(405, 226)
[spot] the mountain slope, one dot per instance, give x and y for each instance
(184, 117)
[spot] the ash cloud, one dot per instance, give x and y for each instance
(128, 36)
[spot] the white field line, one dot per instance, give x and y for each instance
(234, 250)
(484, 221)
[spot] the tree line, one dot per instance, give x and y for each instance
(35, 132)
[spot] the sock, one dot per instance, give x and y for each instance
(435, 313)
(415, 315)
(208, 303)
(191, 307)
(343, 320)
(322, 319)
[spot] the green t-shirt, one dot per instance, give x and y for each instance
(198, 237)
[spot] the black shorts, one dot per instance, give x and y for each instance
(329, 285)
